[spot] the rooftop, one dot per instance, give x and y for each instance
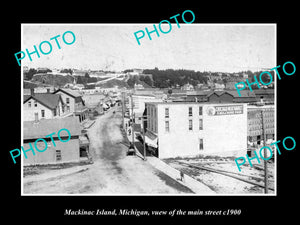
(69, 92)
(34, 130)
(234, 93)
(264, 91)
(47, 99)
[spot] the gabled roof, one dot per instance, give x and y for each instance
(218, 93)
(72, 93)
(50, 101)
(244, 94)
(234, 93)
(69, 92)
(34, 130)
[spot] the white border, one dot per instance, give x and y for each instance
(142, 24)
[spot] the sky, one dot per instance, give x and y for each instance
(199, 47)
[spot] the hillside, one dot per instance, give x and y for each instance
(112, 83)
(50, 79)
(179, 77)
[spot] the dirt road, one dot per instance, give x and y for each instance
(112, 171)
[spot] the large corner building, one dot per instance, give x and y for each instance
(179, 129)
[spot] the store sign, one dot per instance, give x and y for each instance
(224, 110)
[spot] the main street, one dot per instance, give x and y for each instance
(112, 171)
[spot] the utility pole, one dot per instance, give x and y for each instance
(123, 110)
(265, 152)
(132, 127)
(144, 139)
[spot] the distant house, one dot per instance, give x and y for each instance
(245, 76)
(187, 87)
(78, 86)
(135, 72)
(138, 86)
(42, 106)
(74, 103)
(79, 72)
(266, 96)
(94, 103)
(219, 85)
(49, 89)
(61, 152)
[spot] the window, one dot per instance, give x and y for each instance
(58, 155)
(167, 126)
(68, 108)
(68, 100)
(200, 110)
(36, 116)
(43, 113)
(190, 111)
(54, 112)
(200, 124)
(35, 103)
(190, 124)
(29, 104)
(200, 144)
(166, 112)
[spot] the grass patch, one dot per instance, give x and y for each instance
(39, 169)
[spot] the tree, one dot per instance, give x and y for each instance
(128, 70)
(79, 80)
(29, 74)
(86, 75)
(148, 80)
(67, 71)
(131, 82)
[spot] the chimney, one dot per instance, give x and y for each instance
(32, 91)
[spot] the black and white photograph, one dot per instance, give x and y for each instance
(184, 113)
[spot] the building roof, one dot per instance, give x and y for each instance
(70, 92)
(234, 93)
(264, 91)
(197, 93)
(47, 99)
(35, 130)
(244, 93)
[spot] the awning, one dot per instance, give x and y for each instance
(151, 139)
(83, 140)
